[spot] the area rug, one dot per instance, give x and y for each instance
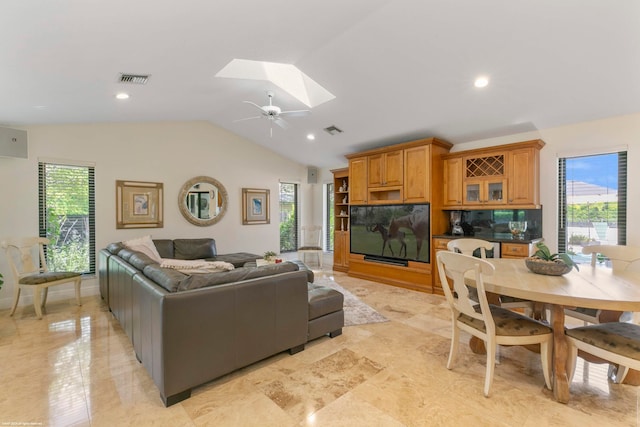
(356, 312)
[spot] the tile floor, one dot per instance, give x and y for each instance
(77, 367)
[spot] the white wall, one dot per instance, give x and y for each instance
(167, 152)
(579, 139)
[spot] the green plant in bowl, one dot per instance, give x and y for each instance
(269, 255)
(544, 262)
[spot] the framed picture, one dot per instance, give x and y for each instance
(139, 204)
(255, 206)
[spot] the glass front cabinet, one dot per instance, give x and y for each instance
(485, 191)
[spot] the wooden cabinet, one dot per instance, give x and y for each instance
(417, 174)
(341, 251)
(484, 191)
(453, 181)
(516, 250)
(494, 178)
(438, 245)
(358, 180)
(341, 202)
(523, 176)
(405, 173)
(401, 174)
(385, 169)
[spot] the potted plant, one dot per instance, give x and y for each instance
(544, 262)
(270, 256)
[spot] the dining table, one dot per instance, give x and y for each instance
(589, 287)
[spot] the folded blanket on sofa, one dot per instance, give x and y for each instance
(195, 266)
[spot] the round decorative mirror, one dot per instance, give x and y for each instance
(203, 201)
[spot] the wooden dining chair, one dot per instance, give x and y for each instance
(621, 258)
(478, 248)
(29, 268)
(616, 342)
(490, 323)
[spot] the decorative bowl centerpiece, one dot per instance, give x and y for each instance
(549, 268)
(544, 262)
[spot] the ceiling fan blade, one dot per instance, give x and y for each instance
(280, 122)
(255, 105)
(295, 113)
(248, 118)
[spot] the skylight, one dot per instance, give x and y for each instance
(286, 76)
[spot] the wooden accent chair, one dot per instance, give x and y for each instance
(311, 242)
(492, 324)
(30, 271)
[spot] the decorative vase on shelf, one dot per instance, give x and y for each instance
(517, 229)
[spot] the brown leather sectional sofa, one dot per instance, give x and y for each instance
(188, 337)
(190, 329)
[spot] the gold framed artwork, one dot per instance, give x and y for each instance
(139, 204)
(255, 206)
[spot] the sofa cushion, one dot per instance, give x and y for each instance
(167, 278)
(145, 245)
(126, 253)
(238, 259)
(164, 247)
(115, 248)
(196, 281)
(194, 248)
(140, 260)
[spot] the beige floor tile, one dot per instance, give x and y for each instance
(77, 367)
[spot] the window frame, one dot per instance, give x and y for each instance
(622, 194)
(91, 216)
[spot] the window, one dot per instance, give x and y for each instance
(592, 202)
(329, 218)
(288, 217)
(67, 216)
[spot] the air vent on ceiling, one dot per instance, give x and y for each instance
(333, 130)
(136, 79)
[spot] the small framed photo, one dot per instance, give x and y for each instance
(139, 204)
(255, 206)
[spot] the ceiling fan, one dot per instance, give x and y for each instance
(273, 113)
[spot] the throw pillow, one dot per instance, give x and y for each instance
(145, 245)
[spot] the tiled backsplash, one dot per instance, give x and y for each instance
(495, 223)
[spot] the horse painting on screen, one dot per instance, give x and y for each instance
(398, 232)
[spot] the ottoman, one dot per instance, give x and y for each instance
(326, 314)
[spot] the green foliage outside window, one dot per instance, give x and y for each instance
(67, 217)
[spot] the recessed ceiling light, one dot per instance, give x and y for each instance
(122, 95)
(311, 137)
(481, 82)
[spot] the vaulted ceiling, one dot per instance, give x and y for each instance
(399, 69)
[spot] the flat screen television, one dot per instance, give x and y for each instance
(393, 233)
